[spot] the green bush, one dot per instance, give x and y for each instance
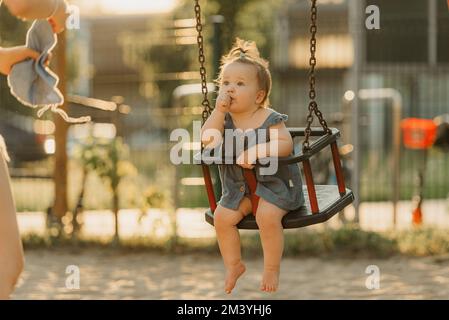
(423, 242)
(353, 240)
(348, 241)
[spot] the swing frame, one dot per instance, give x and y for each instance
(324, 200)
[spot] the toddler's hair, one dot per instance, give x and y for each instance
(247, 52)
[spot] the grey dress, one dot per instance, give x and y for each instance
(283, 188)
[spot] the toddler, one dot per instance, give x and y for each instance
(243, 103)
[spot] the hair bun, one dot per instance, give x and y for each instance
(247, 48)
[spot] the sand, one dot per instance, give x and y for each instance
(106, 275)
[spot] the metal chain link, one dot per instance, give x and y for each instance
(207, 109)
(313, 106)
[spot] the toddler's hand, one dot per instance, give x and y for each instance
(223, 102)
(247, 159)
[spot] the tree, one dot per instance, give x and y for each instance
(109, 160)
(246, 19)
(61, 128)
(158, 53)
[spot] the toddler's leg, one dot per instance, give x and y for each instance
(225, 221)
(269, 219)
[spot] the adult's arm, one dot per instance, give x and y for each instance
(11, 252)
(11, 56)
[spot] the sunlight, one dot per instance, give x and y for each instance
(126, 7)
(138, 6)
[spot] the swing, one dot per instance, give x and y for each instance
(324, 200)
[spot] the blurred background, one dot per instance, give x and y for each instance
(141, 58)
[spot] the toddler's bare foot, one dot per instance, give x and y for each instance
(270, 280)
(232, 274)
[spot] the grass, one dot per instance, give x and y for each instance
(376, 175)
(347, 242)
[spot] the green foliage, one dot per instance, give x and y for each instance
(154, 198)
(349, 242)
(244, 18)
(346, 241)
(354, 240)
(157, 52)
(128, 245)
(230, 13)
(108, 158)
(423, 242)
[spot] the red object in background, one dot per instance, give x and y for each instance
(418, 133)
(417, 216)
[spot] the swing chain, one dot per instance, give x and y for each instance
(313, 106)
(207, 110)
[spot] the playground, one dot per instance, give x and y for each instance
(153, 276)
(119, 193)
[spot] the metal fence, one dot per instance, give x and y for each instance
(393, 57)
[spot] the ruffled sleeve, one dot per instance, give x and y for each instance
(275, 118)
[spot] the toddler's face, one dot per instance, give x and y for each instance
(241, 84)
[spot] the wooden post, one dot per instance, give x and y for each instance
(60, 168)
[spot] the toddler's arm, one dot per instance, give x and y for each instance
(212, 130)
(280, 145)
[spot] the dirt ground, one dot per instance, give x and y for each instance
(152, 276)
